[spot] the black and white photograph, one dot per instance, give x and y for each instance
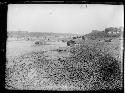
(64, 47)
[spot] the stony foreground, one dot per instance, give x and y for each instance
(89, 66)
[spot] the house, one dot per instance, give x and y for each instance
(114, 32)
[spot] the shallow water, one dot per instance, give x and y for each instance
(17, 48)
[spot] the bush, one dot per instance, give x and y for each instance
(38, 43)
(70, 43)
(83, 37)
(74, 37)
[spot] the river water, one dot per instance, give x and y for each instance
(17, 48)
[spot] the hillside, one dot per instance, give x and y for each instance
(86, 65)
(110, 32)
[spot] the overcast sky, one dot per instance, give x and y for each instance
(63, 18)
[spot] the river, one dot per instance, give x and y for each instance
(17, 48)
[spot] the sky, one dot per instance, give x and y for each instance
(63, 18)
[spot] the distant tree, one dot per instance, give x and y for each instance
(63, 41)
(77, 36)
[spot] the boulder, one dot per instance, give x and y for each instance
(70, 43)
